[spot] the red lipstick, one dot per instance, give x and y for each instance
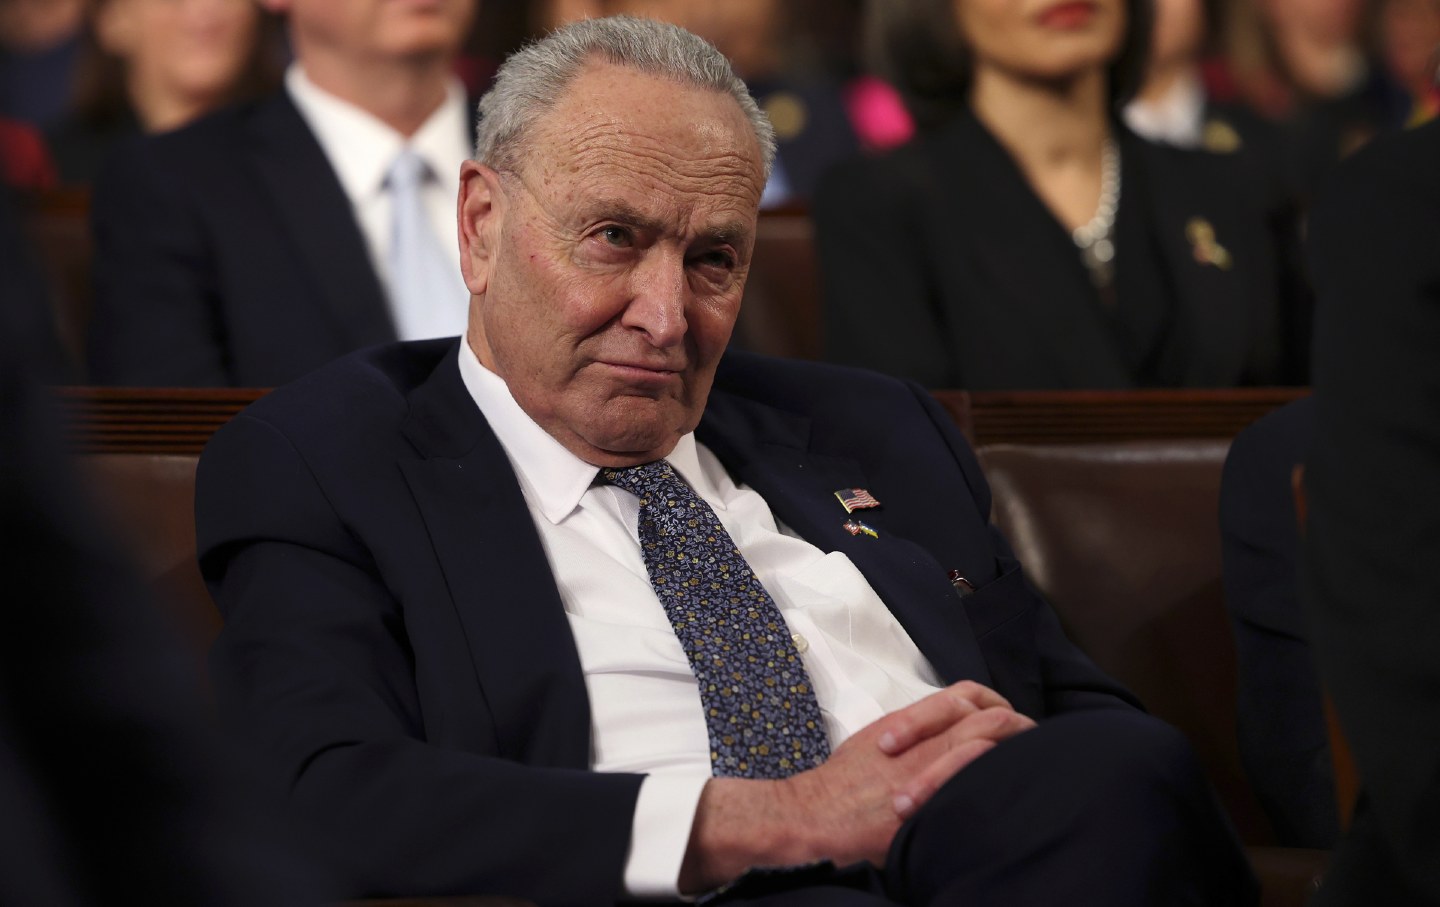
(1067, 16)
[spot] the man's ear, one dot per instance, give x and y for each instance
(478, 210)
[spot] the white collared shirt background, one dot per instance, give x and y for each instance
(361, 149)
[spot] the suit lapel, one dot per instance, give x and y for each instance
(317, 217)
(768, 450)
(499, 578)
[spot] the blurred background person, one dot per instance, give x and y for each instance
(115, 784)
(265, 240)
(39, 46)
(1309, 66)
(1286, 53)
(821, 114)
(155, 65)
(1027, 239)
(1409, 42)
(1186, 98)
(25, 161)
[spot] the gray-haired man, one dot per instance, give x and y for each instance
(580, 608)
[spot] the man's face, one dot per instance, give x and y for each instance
(606, 273)
(376, 30)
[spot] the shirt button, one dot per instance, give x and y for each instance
(801, 643)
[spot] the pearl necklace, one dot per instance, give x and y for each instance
(1097, 249)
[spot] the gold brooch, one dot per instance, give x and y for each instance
(1219, 137)
(1204, 245)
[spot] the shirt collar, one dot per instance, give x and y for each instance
(361, 147)
(1176, 118)
(552, 477)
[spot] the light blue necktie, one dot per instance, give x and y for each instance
(760, 707)
(428, 297)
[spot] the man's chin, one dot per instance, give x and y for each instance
(614, 445)
(630, 451)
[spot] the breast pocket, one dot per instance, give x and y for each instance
(1002, 615)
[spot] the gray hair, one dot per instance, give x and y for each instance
(531, 81)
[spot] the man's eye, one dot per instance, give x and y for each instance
(717, 259)
(616, 236)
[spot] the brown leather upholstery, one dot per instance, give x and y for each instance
(149, 500)
(1123, 539)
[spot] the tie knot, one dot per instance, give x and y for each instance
(408, 170)
(643, 479)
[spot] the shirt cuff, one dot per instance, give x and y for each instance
(660, 834)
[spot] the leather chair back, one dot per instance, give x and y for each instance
(149, 501)
(1123, 539)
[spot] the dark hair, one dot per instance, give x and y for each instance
(917, 47)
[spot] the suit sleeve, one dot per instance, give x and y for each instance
(879, 309)
(1067, 679)
(1280, 717)
(156, 318)
(1373, 532)
(313, 670)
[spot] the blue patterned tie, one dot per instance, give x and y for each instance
(759, 706)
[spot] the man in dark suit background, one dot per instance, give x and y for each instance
(1373, 532)
(268, 239)
(453, 641)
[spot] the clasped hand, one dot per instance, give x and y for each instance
(850, 808)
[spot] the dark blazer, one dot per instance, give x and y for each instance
(396, 649)
(1280, 713)
(939, 263)
(1373, 537)
(227, 253)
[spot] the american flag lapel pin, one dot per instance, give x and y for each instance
(853, 499)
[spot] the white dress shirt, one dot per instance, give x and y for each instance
(1177, 119)
(644, 701)
(361, 149)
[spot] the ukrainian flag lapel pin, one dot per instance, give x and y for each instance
(855, 527)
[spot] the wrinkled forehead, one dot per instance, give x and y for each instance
(616, 125)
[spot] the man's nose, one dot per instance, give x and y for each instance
(659, 292)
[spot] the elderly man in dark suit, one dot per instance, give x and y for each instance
(268, 239)
(580, 608)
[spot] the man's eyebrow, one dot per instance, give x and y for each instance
(732, 232)
(625, 213)
(735, 233)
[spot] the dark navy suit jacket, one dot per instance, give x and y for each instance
(227, 254)
(396, 649)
